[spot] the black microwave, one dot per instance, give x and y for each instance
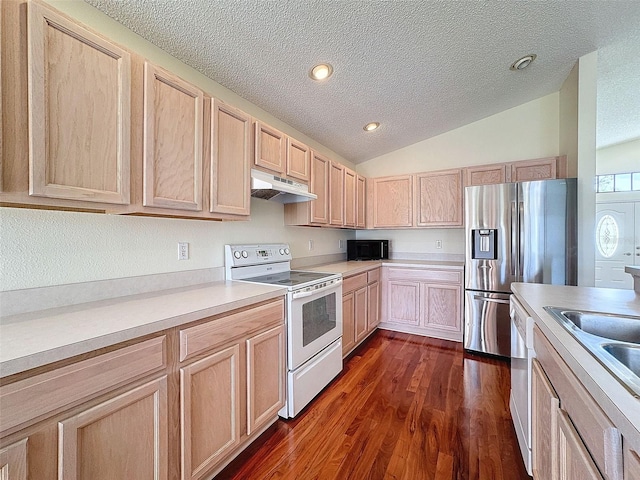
(367, 249)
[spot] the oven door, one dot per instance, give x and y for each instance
(314, 321)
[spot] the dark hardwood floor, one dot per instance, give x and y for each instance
(404, 407)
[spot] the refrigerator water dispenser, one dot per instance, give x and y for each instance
(484, 242)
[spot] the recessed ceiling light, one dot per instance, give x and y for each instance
(523, 62)
(371, 126)
(321, 71)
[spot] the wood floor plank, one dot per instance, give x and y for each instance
(404, 407)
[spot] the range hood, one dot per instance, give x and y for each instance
(271, 187)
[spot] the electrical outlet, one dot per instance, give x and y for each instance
(183, 251)
(438, 243)
(310, 245)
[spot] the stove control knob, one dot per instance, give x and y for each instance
(286, 251)
(236, 254)
(282, 251)
(244, 254)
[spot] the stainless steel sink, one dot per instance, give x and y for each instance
(614, 340)
(628, 355)
(624, 329)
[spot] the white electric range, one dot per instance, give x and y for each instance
(313, 318)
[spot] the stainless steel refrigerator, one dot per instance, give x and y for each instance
(515, 232)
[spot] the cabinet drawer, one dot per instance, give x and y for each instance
(599, 434)
(373, 275)
(425, 275)
(203, 337)
(30, 399)
(354, 282)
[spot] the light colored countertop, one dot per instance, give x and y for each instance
(33, 339)
(355, 267)
(616, 401)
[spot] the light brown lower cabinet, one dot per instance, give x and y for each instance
(181, 404)
(424, 301)
(360, 308)
(631, 465)
(13, 461)
(123, 437)
(572, 437)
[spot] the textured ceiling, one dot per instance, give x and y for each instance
(419, 67)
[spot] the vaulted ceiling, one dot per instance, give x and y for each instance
(419, 67)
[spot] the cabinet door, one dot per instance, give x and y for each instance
(631, 465)
(441, 307)
(360, 313)
(230, 160)
(320, 186)
(210, 409)
(373, 306)
(392, 199)
(541, 169)
(79, 111)
(13, 461)
(172, 152)
(265, 377)
(361, 201)
(298, 157)
(349, 198)
(544, 428)
(348, 323)
(439, 199)
(403, 302)
(574, 461)
(486, 175)
(133, 426)
(271, 148)
(336, 194)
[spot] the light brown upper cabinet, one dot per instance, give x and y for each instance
(315, 212)
(521, 171)
(230, 160)
(336, 194)
(271, 149)
(172, 151)
(361, 205)
(391, 201)
(439, 199)
(486, 175)
(349, 219)
(298, 156)
(79, 111)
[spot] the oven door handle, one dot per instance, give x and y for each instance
(319, 290)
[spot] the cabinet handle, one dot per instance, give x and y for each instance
(627, 254)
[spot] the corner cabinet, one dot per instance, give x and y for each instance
(172, 149)
(390, 201)
(438, 199)
(424, 300)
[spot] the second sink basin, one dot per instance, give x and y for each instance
(628, 355)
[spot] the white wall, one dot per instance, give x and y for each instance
(620, 158)
(520, 133)
(43, 248)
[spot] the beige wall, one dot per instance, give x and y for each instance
(520, 133)
(620, 158)
(568, 126)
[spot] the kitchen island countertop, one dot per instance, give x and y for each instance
(614, 399)
(38, 338)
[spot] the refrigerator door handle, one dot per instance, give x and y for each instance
(515, 228)
(493, 300)
(521, 239)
